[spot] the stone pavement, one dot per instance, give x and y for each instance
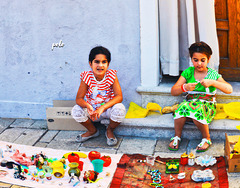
(35, 133)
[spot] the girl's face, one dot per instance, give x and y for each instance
(200, 61)
(99, 66)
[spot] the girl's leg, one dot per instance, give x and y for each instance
(91, 129)
(178, 126)
(204, 129)
(116, 114)
(111, 128)
(81, 116)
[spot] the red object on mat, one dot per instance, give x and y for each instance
(128, 176)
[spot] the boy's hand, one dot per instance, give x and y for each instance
(206, 82)
(190, 86)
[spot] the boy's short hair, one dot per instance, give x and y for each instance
(99, 50)
(200, 47)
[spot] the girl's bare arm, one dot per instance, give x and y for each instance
(220, 84)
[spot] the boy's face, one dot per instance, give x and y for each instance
(99, 66)
(200, 61)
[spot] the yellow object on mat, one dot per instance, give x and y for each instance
(136, 111)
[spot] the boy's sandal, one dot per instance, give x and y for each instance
(83, 139)
(204, 140)
(175, 140)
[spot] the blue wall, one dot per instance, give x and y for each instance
(32, 74)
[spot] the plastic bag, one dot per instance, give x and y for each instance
(136, 111)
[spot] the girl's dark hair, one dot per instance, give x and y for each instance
(200, 47)
(99, 50)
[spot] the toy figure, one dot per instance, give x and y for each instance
(90, 176)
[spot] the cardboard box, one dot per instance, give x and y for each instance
(234, 162)
(59, 117)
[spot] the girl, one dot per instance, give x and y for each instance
(200, 83)
(99, 96)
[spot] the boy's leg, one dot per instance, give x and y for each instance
(204, 129)
(178, 126)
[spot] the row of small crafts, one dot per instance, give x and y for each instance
(41, 169)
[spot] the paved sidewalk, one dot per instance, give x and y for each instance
(35, 133)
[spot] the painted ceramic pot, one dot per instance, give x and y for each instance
(74, 169)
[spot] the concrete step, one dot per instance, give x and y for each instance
(162, 95)
(162, 126)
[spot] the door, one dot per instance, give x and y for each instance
(228, 30)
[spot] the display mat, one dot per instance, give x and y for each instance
(104, 178)
(132, 172)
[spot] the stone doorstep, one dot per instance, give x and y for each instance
(162, 95)
(163, 126)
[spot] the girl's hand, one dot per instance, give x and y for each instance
(190, 86)
(95, 115)
(90, 109)
(98, 112)
(206, 82)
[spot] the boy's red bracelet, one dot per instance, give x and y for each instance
(183, 88)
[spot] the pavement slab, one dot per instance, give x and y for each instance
(11, 134)
(162, 146)
(29, 137)
(48, 137)
(63, 145)
(234, 180)
(68, 135)
(41, 144)
(100, 142)
(216, 149)
(101, 150)
(22, 123)
(167, 155)
(137, 145)
(5, 122)
(39, 124)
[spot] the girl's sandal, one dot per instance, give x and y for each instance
(204, 140)
(176, 141)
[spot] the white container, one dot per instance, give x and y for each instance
(191, 161)
(33, 170)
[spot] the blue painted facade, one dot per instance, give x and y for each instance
(32, 74)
